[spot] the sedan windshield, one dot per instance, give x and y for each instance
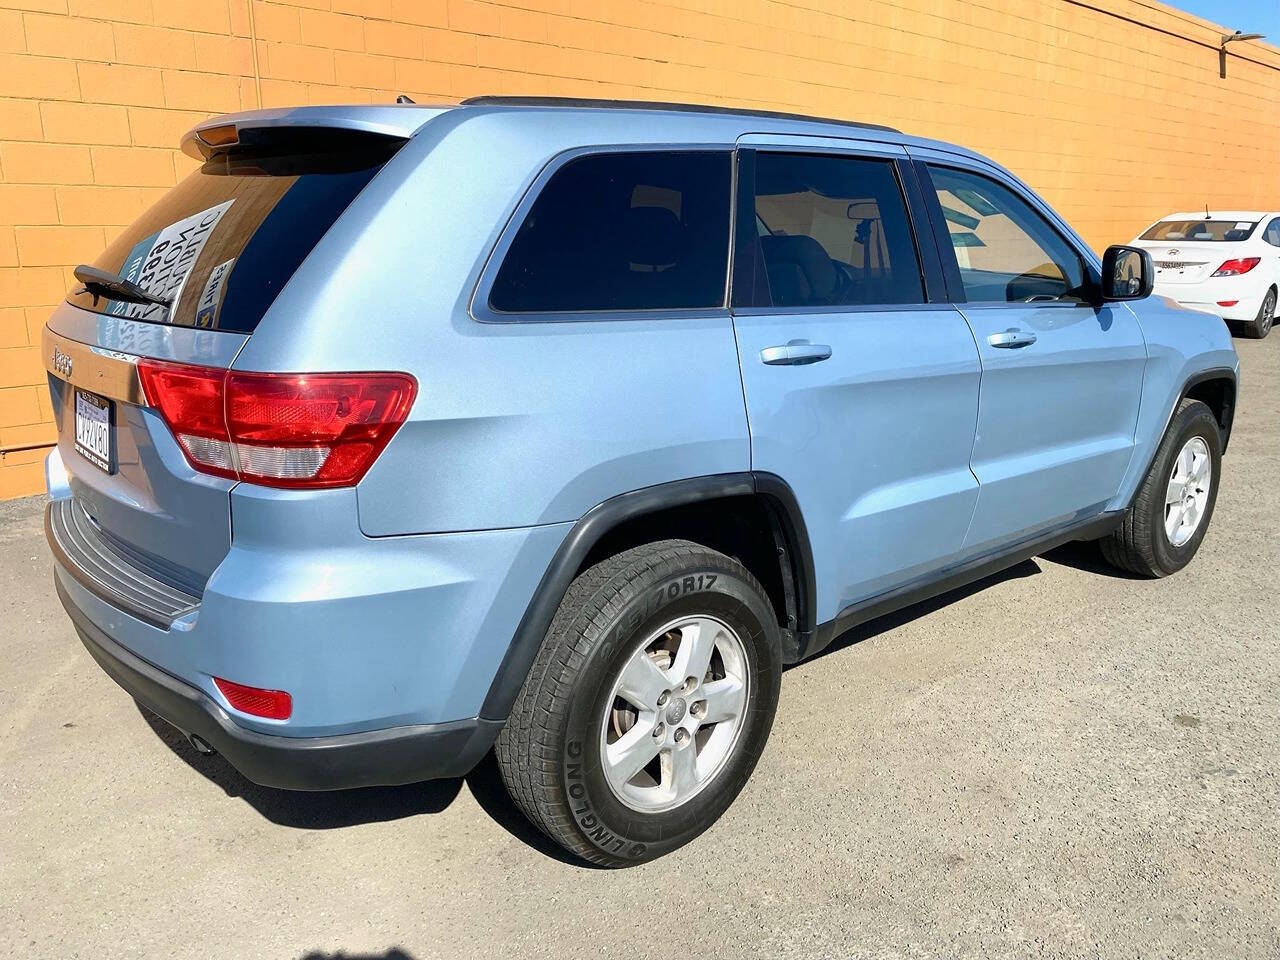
(1217, 231)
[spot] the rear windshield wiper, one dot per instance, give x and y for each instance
(114, 287)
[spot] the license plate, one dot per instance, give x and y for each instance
(93, 429)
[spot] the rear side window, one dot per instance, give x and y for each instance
(222, 243)
(833, 231)
(622, 231)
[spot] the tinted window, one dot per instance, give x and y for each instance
(222, 243)
(1272, 235)
(833, 231)
(1201, 231)
(1006, 251)
(622, 231)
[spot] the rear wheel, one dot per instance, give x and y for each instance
(1260, 326)
(648, 705)
(1167, 520)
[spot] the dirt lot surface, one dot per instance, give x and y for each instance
(1059, 761)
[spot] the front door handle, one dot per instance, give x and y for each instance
(795, 353)
(1012, 338)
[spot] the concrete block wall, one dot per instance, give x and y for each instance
(1113, 109)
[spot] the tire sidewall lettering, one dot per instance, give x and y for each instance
(584, 814)
(667, 592)
(599, 817)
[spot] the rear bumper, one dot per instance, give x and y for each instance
(1207, 295)
(375, 757)
(366, 634)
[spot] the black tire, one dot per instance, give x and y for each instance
(549, 750)
(1140, 544)
(1260, 326)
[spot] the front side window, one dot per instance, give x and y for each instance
(1006, 251)
(833, 231)
(622, 231)
(1201, 231)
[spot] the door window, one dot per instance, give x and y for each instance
(1006, 251)
(1272, 235)
(833, 231)
(622, 231)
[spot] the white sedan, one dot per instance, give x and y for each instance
(1226, 262)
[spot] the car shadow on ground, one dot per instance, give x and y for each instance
(329, 810)
(1082, 555)
(344, 808)
(1086, 556)
(891, 621)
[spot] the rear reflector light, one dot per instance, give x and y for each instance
(271, 704)
(1233, 268)
(1227, 303)
(308, 430)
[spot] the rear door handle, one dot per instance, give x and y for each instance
(795, 353)
(1012, 338)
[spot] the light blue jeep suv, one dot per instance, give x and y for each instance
(398, 434)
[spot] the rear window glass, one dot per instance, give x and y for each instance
(622, 231)
(1199, 231)
(221, 244)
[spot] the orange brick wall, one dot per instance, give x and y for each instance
(1111, 108)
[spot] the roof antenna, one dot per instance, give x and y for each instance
(1206, 210)
(404, 99)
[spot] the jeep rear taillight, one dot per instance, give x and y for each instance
(296, 430)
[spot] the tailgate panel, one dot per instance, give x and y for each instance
(175, 520)
(211, 256)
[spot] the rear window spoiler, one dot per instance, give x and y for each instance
(312, 126)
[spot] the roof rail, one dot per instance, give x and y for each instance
(588, 102)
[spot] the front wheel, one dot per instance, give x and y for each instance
(1167, 520)
(648, 705)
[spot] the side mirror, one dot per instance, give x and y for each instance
(1127, 273)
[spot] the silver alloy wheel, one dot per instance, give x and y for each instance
(675, 713)
(1267, 313)
(1187, 495)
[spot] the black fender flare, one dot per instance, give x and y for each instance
(1229, 412)
(794, 552)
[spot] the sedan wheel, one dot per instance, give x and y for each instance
(1261, 324)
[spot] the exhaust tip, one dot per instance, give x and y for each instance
(200, 746)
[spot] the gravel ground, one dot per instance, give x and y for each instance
(1059, 761)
